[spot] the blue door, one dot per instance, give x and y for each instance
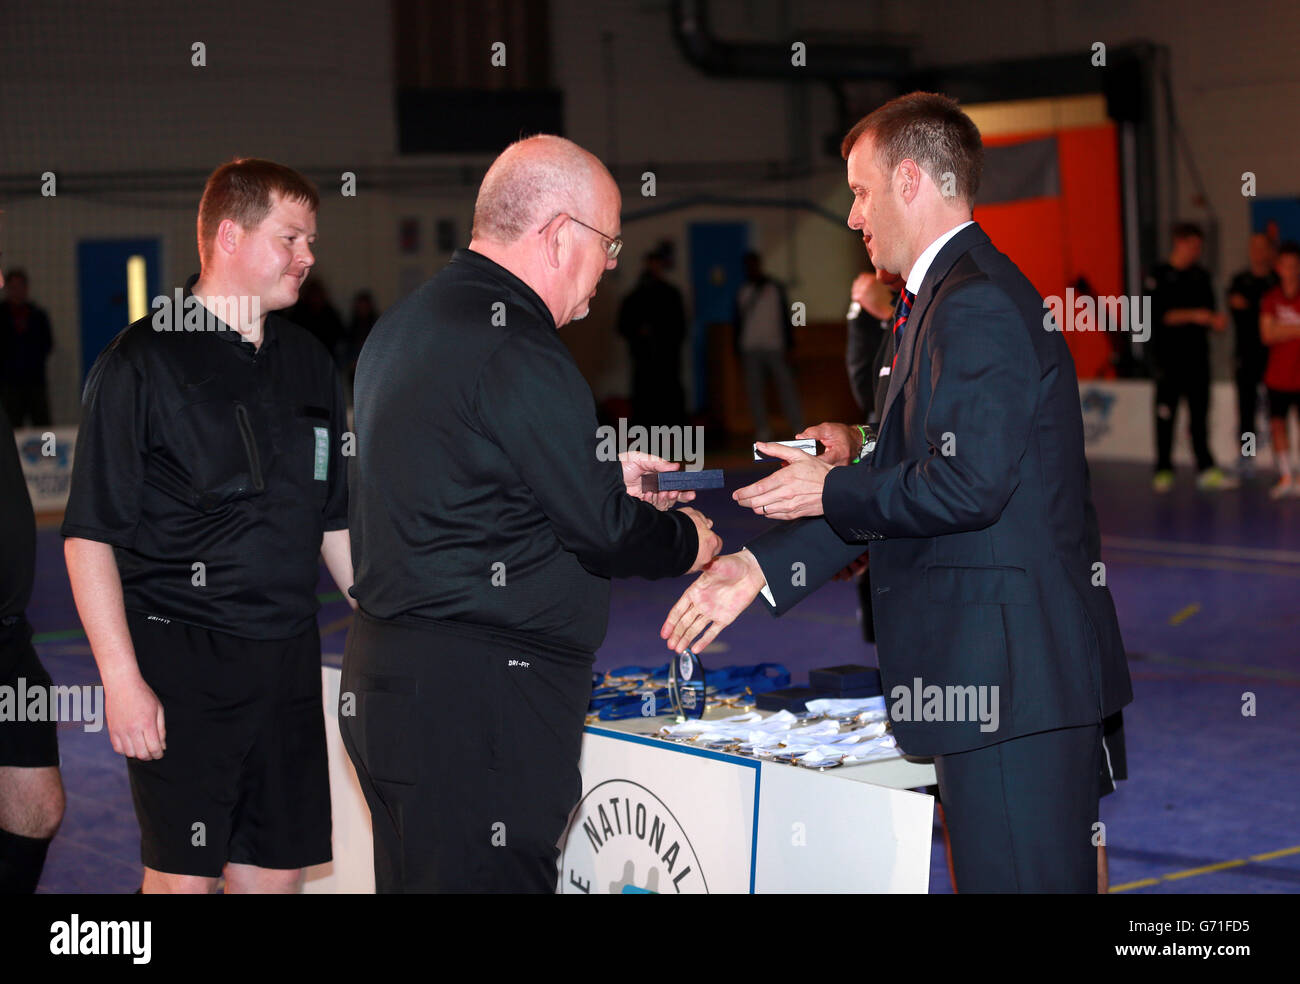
(717, 270)
(105, 287)
(1284, 211)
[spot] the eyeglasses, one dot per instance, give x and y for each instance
(611, 250)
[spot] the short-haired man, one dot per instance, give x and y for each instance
(208, 481)
(486, 524)
(1182, 311)
(1279, 329)
(976, 507)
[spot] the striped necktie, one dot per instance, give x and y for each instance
(905, 300)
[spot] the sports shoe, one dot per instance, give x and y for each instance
(1214, 480)
(1163, 482)
(1286, 487)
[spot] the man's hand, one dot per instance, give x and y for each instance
(710, 542)
(638, 463)
(713, 601)
(794, 491)
(842, 442)
(871, 293)
(135, 718)
(1218, 321)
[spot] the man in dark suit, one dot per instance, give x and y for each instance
(999, 647)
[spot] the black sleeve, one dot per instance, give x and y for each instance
(108, 469)
(1209, 299)
(626, 310)
(537, 407)
(798, 557)
(858, 358)
(737, 324)
(678, 317)
(787, 328)
(336, 501)
(41, 322)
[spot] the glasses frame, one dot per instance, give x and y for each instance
(611, 251)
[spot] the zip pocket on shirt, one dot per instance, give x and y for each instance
(250, 446)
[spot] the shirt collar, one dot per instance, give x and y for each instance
(495, 270)
(922, 265)
(226, 332)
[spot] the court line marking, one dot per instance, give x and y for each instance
(1206, 869)
(1213, 549)
(1232, 669)
(1190, 563)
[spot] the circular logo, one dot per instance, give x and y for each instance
(622, 839)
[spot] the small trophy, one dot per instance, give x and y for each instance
(686, 685)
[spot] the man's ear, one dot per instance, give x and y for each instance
(555, 243)
(228, 235)
(909, 180)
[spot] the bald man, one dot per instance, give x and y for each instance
(485, 529)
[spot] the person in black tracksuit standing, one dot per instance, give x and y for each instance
(1182, 312)
(1245, 291)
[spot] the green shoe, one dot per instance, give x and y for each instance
(1163, 482)
(1214, 480)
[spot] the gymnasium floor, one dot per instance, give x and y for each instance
(1208, 594)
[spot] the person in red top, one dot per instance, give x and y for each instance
(1279, 329)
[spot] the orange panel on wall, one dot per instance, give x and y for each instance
(1055, 241)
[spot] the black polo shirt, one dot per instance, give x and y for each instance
(1173, 289)
(480, 494)
(1251, 350)
(197, 448)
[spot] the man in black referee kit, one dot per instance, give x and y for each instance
(209, 478)
(486, 529)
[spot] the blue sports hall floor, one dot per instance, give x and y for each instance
(1208, 593)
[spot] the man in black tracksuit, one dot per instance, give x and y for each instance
(487, 523)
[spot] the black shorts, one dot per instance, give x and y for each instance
(23, 744)
(245, 777)
(1280, 401)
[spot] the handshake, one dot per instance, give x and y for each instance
(729, 583)
(638, 463)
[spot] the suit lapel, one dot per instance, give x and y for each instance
(953, 250)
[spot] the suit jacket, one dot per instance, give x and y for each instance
(977, 509)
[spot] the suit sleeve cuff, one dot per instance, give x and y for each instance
(765, 590)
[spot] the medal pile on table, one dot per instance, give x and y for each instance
(638, 691)
(831, 732)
